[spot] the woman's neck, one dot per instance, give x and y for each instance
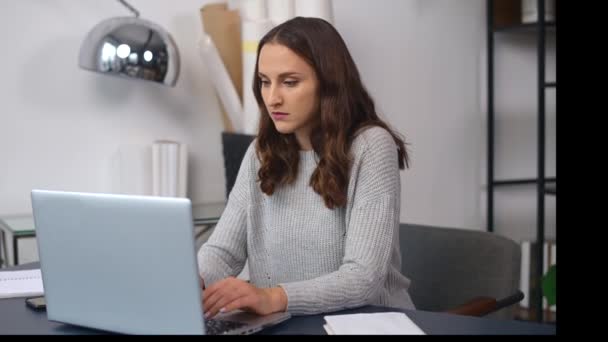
(303, 139)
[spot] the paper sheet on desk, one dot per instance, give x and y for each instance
(381, 323)
(26, 283)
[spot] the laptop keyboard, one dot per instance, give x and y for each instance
(218, 326)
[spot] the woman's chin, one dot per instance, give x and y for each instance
(283, 128)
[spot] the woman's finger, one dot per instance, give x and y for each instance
(220, 306)
(245, 302)
(214, 292)
(224, 296)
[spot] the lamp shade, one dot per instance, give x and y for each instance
(131, 47)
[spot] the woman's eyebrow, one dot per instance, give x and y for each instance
(282, 75)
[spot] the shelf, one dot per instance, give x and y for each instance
(525, 181)
(503, 18)
(551, 189)
(525, 314)
(525, 28)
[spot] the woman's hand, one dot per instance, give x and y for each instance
(232, 293)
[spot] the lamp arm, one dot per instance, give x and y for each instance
(131, 8)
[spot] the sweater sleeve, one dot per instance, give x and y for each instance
(369, 237)
(225, 252)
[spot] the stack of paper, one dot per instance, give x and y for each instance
(21, 283)
(382, 323)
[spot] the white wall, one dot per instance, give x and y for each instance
(62, 127)
(423, 62)
(420, 60)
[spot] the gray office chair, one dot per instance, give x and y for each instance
(234, 147)
(461, 271)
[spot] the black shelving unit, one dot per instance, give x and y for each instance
(544, 186)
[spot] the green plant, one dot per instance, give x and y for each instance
(549, 285)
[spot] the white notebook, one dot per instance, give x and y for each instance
(27, 283)
(381, 323)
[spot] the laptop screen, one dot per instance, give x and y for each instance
(119, 263)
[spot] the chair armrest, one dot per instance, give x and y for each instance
(481, 306)
(478, 306)
(510, 300)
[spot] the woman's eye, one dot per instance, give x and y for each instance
(290, 83)
(265, 83)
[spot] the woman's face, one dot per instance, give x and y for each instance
(289, 87)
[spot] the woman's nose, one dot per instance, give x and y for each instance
(274, 97)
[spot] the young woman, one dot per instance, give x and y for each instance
(315, 206)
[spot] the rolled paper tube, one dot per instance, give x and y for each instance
(222, 82)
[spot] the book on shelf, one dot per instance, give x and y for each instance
(506, 13)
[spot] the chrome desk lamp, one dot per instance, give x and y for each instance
(133, 48)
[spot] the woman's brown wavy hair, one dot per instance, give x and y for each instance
(345, 108)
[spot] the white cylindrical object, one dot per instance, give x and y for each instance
(279, 11)
(315, 8)
(529, 11)
(222, 82)
(182, 175)
(253, 10)
(172, 168)
(252, 33)
(166, 166)
(164, 170)
(156, 163)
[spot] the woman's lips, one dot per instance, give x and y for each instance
(279, 115)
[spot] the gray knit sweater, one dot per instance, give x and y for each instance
(325, 260)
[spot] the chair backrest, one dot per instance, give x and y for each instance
(449, 266)
(234, 147)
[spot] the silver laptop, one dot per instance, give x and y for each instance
(126, 264)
